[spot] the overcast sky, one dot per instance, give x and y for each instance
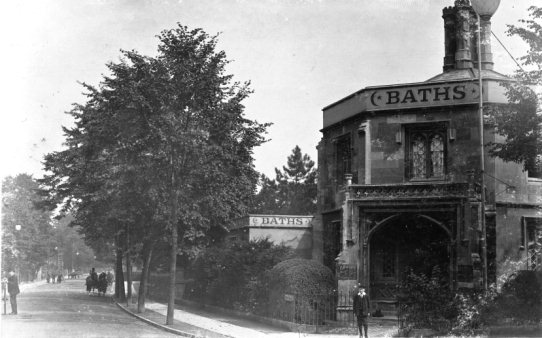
(299, 55)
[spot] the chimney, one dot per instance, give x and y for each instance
(448, 14)
(463, 34)
(460, 38)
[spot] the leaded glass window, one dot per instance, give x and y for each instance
(419, 154)
(427, 152)
(437, 155)
(344, 158)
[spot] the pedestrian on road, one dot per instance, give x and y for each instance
(362, 310)
(13, 290)
(109, 277)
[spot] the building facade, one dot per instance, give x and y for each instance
(400, 178)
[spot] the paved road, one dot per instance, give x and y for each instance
(65, 310)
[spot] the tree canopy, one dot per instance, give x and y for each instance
(27, 233)
(520, 122)
(161, 150)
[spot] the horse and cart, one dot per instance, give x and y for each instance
(97, 282)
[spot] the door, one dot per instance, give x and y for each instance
(384, 268)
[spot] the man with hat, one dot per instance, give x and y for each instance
(13, 290)
(362, 310)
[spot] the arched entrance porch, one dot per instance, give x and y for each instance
(402, 242)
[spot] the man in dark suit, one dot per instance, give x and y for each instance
(362, 310)
(13, 290)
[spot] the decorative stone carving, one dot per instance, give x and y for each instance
(458, 3)
(393, 192)
(346, 271)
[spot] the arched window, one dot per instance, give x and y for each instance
(426, 152)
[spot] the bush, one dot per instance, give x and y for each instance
(473, 311)
(233, 275)
(428, 303)
(520, 299)
(310, 283)
(301, 276)
(524, 285)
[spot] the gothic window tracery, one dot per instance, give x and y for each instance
(427, 152)
(343, 157)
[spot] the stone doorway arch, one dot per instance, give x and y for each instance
(404, 242)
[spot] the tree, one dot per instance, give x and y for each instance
(293, 191)
(27, 234)
(161, 150)
(520, 122)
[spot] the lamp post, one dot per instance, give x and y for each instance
(483, 8)
(18, 228)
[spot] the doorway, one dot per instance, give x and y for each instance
(407, 242)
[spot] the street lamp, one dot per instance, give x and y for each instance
(18, 228)
(485, 9)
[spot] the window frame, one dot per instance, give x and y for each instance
(430, 129)
(343, 169)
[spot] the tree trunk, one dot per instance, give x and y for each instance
(172, 271)
(128, 269)
(173, 227)
(147, 254)
(119, 275)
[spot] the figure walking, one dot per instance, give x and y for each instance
(13, 290)
(362, 310)
(92, 281)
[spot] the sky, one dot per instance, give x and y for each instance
(299, 55)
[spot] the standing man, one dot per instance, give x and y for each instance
(362, 310)
(13, 290)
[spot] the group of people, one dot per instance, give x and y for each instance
(99, 282)
(52, 278)
(12, 285)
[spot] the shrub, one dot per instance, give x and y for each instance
(233, 275)
(525, 286)
(473, 311)
(309, 282)
(520, 299)
(426, 301)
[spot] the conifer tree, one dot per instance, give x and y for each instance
(293, 191)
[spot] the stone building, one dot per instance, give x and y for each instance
(400, 178)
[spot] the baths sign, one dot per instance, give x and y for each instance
(423, 96)
(280, 221)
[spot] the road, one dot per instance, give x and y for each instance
(65, 310)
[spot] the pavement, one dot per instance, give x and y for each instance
(191, 322)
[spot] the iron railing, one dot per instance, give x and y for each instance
(309, 310)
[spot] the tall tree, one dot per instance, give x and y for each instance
(27, 234)
(161, 145)
(520, 122)
(293, 191)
